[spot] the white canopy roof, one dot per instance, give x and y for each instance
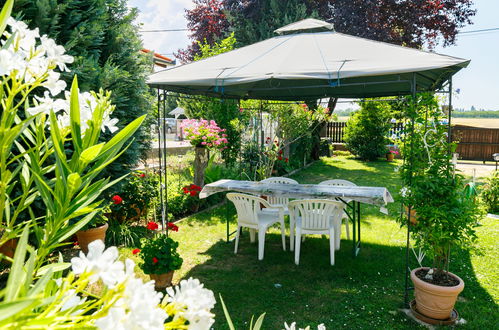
(305, 63)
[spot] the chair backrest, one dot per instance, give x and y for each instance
(280, 180)
(247, 207)
(338, 182)
(316, 214)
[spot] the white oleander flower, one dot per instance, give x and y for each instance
(73, 301)
(138, 309)
(102, 264)
(10, 61)
(292, 326)
(195, 303)
(46, 104)
(54, 84)
(55, 53)
(110, 123)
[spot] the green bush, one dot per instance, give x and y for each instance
(490, 193)
(367, 130)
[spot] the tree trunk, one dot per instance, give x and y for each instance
(200, 163)
(316, 132)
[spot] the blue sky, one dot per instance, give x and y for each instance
(478, 84)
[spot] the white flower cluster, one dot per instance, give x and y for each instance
(194, 303)
(404, 192)
(292, 326)
(139, 306)
(32, 58)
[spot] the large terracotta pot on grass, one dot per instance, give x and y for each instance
(85, 237)
(435, 301)
(162, 281)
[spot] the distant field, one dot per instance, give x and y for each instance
(477, 122)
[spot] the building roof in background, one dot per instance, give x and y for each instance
(159, 59)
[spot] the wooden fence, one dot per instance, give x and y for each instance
(475, 143)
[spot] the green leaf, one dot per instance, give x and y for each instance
(7, 309)
(74, 183)
(16, 271)
(74, 114)
(259, 322)
(5, 14)
(90, 154)
(226, 313)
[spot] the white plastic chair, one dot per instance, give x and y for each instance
(250, 216)
(344, 183)
(276, 201)
(315, 216)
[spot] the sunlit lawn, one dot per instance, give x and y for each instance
(357, 293)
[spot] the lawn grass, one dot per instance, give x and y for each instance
(357, 293)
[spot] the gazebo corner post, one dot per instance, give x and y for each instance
(161, 186)
(164, 219)
(411, 155)
(449, 115)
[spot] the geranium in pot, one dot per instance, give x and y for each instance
(94, 230)
(160, 258)
(446, 215)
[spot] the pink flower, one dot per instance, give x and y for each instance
(203, 143)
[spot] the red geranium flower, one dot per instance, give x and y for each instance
(280, 152)
(143, 175)
(280, 157)
(117, 199)
(154, 260)
(286, 160)
(193, 193)
(152, 225)
(196, 188)
(135, 251)
(172, 226)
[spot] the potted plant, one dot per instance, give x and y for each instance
(390, 155)
(204, 135)
(446, 215)
(138, 193)
(96, 228)
(160, 257)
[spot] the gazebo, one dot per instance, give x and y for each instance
(308, 60)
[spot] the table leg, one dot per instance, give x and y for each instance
(356, 228)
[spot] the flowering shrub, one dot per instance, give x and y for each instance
(204, 133)
(159, 255)
(138, 193)
(192, 190)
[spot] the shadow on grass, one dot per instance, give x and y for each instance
(357, 293)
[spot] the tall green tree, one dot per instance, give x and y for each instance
(102, 37)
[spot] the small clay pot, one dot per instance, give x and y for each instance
(413, 216)
(389, 156)
(162, 281)
(8, 249)
(85, 237)
(435, 301)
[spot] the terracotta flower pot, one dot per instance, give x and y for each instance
(413, 216)
(389, 156)
(435, 301)
(85, 237)
(8, 249)
(162, 281)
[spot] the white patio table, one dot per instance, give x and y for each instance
(379, 196)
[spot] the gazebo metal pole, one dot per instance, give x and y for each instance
(411, 155)
(449, 132)
(160, 158)
(164, 219)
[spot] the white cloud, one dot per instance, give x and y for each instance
(163, 14)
